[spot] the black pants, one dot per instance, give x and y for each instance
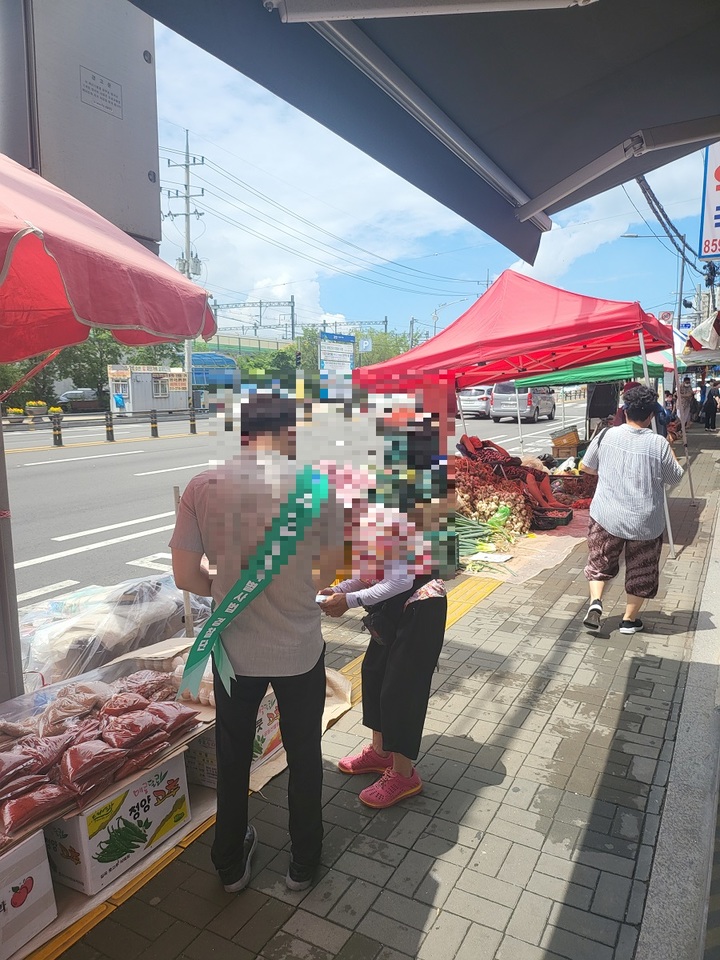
(301, 701)
(710, 415)
(396, 677)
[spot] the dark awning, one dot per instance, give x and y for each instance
(487, 111)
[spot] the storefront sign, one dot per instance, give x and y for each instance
(709, 248)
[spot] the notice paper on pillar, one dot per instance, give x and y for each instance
(201, 759)
(91, 849)
(336, 361)
(27, 901)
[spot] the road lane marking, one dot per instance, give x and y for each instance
(97, 456)
(151, 562)
(102, 443)
(115, 526)
(91, 546)
(187, 466)
(51, 588)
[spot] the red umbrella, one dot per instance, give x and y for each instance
(64, 269)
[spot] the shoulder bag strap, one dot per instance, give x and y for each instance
(281, 541)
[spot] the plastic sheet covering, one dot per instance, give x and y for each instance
(67, 637)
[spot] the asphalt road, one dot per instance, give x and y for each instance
(93, 512)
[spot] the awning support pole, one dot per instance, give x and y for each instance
(520, 433)
(563, 406)
(654, 427)
(682, 424)
(11, 677)
(459, 406)
(187, 605)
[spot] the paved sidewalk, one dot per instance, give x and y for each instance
(546, 758)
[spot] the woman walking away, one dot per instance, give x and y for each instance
(632, 464)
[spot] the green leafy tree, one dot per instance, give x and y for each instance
(40, 387)
(86, 364)
(385, 346)
(157, 355)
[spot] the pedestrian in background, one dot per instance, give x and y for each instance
(710, 407)
(685, 398)
(633, 464)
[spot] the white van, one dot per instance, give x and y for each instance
(535, 403)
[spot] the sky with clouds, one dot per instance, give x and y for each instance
(291, 209)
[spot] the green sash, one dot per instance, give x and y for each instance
(280, 543)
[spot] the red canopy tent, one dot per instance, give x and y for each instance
(521, 327)
(63, 270)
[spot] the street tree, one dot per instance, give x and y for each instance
(86, 364)
(156, 355)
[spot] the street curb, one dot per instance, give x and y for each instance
(673, 924)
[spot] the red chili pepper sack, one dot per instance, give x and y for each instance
(130, 728)
(22, 810)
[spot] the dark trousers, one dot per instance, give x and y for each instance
(710, 415)
(396, 676)
(301, 701)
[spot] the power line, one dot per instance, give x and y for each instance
(676, 238)
(393, 265)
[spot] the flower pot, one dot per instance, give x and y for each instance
(36, 411)
(15, 417)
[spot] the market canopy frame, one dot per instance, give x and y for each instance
(520, 326)
(504, 117)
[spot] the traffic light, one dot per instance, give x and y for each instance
(298, 358)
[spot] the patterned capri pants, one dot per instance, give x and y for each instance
(642, 560)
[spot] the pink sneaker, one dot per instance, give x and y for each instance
(367, 761)
(390, 789)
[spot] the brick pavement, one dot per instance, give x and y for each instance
(546, 756)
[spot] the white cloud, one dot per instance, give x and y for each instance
(583, 229)
(289, 159)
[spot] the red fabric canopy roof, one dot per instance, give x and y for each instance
(65, 269)
(520, 327)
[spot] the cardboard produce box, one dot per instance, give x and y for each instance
(27, 901)
(93, 848)
(201, 759)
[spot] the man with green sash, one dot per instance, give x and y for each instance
(272, 535)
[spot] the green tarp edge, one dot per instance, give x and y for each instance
(613, 370)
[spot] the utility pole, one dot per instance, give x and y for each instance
(186, 265)
(385, 322)
(681, 270)
(412, 331)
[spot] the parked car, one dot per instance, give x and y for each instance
(535, 403)
(475, 401)
(80, 399)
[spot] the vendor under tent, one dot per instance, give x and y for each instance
(64, 270)
(521, 326)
